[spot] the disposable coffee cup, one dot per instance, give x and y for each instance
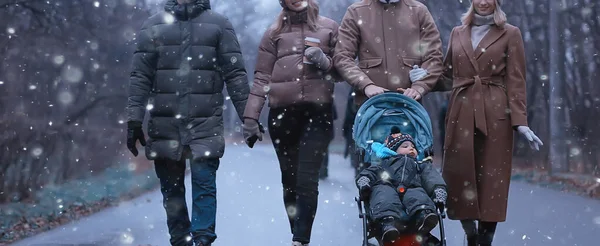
(310, 42)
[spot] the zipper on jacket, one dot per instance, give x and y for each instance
(384, 44)
(403, 168)
(303, 74)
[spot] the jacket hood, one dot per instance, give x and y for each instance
(187, 11)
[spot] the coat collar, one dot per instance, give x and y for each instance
(465, 40)
(491, 37)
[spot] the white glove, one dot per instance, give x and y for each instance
(534, 141)
(417, 73)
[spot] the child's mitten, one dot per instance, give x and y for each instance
(439, 197)
(364, 186)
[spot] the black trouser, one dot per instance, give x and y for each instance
(385, 201)
(482, 234)
(300, 135)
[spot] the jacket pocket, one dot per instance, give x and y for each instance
(369, 63)
(411, 61)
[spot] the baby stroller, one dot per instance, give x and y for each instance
(373, 122)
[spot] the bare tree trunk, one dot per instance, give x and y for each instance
(558, 155)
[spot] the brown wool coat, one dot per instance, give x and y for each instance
(388, 40)
(488, 99)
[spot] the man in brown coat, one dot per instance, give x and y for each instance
(390, 38)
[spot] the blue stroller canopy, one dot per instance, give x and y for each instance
(376, 117)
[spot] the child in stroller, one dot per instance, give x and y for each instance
(401, 185)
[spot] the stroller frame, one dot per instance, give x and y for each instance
(420, 114)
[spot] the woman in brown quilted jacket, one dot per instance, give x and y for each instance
(295, 71)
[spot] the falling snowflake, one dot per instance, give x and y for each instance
(96, 4)
(360, 22)
(395, 80)
(10, 30)
(32, 87)
(65, 97)
(131, 166)
(207, 153)
(127, 238)
(385, 176)
(72, 74)
(291, 211)
(575, 151)
(1, 82)
(149, 107)
(37, 151)
(58, 59)
(168, 18)
(233, 60)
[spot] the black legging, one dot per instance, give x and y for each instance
(300, 135)
(479, 235)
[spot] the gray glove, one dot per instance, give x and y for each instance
(534, 141)
(317, 57)
(417, 73)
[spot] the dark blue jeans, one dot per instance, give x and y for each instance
(204, 198)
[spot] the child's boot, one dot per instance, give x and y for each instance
(388, 229)
(426, 221)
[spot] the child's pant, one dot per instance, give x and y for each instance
(385, 201)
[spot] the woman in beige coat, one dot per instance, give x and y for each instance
(485, 67)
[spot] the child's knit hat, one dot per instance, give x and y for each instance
(396, 138)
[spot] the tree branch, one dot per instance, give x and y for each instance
(88, 107)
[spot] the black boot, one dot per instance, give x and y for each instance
(426, 221)
(486, 233)
(471, 231)
(388, 229)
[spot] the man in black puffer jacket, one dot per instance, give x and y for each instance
(183, 58)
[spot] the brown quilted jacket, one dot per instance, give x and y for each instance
(281, 74)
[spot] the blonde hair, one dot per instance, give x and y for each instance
(499, 15)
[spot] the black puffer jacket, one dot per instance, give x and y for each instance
(183, 57)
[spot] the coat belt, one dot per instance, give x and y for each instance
(476, 99)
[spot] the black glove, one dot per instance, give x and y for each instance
(439, 197)
(252, 131)
(364, 187)
(134, 133)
